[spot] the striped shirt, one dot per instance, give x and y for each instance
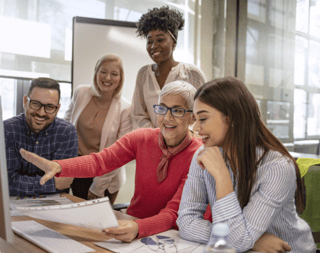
(58, 141)
(271, 208)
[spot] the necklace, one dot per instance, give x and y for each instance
(157, 72)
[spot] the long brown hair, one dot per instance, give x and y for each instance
(246, 132)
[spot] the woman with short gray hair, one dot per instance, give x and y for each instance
(181, 88)
(162, 155)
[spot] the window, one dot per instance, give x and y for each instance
(282, 65)
(269, 64)
(8, 94)
(41, 44)
(12, 92)
(307, 70)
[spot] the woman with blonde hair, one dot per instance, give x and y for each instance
(101, 116)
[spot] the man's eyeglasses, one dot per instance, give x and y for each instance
(36, 105)
(175, 112)
(162, 243)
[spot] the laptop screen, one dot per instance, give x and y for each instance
(5, 219)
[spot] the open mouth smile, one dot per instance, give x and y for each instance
(106, 84)
(39, 120)
(205, 138)
(155, 54)
(169, 127)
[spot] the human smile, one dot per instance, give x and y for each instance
(155, 54)
(169, 127)
(39, 120)
(204, 138)
(106, 84)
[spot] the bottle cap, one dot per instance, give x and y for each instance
(220, 229)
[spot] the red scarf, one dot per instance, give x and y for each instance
(168, 152)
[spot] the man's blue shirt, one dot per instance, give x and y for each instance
(58, 141)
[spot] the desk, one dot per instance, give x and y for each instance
(296, 155)
(85, 236)
(8, 247)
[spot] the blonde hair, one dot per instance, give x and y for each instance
(108, 57)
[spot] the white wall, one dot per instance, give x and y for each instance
(91, 41)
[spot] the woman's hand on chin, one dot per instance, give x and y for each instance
(211, 159)
(50, 168)
(127, 231)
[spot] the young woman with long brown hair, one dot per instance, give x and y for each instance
(249, 178)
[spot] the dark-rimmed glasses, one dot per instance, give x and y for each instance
(175, 112)
(163, 243)
(36, 105)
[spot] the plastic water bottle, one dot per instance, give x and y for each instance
(219, 242)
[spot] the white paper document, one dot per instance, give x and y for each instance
(43, 200)
(47, 238)
(51, 196)
(94, 214)
(169, 242)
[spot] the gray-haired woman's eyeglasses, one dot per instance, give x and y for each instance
(175, 112)
(162, 243)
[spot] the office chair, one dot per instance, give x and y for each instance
(120, 206)
(316, 237)
(311, 213)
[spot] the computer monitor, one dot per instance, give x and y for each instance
(5, 218)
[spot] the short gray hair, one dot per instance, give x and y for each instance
(182, 88)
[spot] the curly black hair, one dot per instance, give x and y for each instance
(163, 19)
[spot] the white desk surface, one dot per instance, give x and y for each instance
(304, 155)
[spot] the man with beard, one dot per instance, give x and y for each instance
(38, 130)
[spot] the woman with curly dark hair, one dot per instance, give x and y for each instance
(160, 27)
